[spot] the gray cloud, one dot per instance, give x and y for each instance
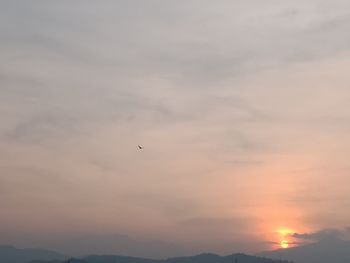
(324, 234)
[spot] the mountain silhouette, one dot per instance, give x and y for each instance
(202, 258)
(10, 254)
(72, 260)
(327, 250)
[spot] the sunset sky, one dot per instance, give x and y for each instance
(242, 106)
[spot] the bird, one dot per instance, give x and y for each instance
(140, 147)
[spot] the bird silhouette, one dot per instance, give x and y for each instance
(140, 147)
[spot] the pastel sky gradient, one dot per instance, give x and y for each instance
(243, 107)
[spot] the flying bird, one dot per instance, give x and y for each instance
(140, 147)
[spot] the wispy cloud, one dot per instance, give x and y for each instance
(324, 234)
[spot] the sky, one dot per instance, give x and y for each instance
(242, 108)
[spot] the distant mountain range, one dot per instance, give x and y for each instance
(202, 258)
(10, 254)
(330, 250)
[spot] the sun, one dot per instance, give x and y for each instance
(284, 244)
(284, 233)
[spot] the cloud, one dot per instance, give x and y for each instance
(213, 222)
(219, 228)
(211, 89)
(165, 204)
(323, 234)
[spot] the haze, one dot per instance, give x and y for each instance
(242, 108)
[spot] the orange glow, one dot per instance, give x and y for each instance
(280, 218)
